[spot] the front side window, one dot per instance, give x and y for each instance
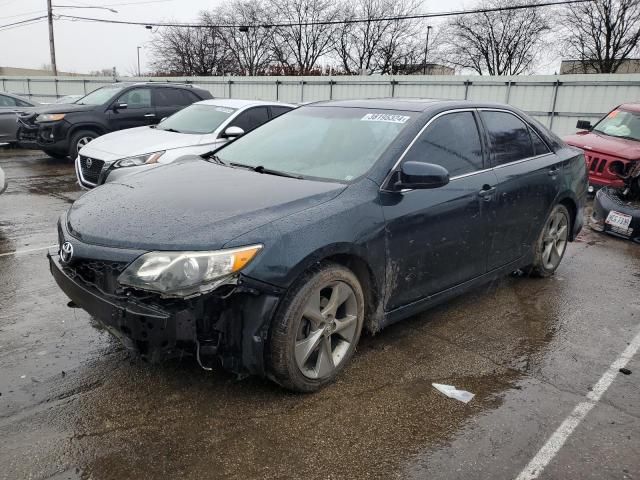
(136, 98)
(100, 96)
(509, 137)
(451, 141)
(199, 119)
(620, 123)
(7, 101)
(330, 143)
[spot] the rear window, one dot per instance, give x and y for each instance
(509, 137)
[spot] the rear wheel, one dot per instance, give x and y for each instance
(552, 243)
(317, 328)
(79, 140)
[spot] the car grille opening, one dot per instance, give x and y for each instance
(101, 274)
(90, 168)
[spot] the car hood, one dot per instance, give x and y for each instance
(64, 108)
(137, 141)
(595, 142)
(189, 205)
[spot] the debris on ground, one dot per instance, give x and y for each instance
(452, 392)
(626, 371)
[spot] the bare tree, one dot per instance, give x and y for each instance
(377, 46)
(297, 47)
(190, 51)
(250, 46)
(507, 42)
(602, 34)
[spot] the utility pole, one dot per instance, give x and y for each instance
(426, 50)
(139, 60)
(52, 46)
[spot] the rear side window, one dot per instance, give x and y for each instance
(509, 137)
(250, 119)
(277, 111)
(173, 97)
(539, 147)
(451, 141)
(136, 98)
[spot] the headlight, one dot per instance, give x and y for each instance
(180, 274)
(49, 117)
(144, 159)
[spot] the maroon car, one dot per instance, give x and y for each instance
(611, 146)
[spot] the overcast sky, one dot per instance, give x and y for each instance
(82, 47)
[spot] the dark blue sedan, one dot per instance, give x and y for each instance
(272, 254)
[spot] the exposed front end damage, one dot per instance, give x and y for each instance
(617, 210)
(229, 324)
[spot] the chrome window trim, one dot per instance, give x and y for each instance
(467, 109)
(404, 153)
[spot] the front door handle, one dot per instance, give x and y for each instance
(150, 115)
(487, 192)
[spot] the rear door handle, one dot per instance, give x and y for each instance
(149, 115)
(487, 192)
(553, 171)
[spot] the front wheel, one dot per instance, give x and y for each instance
(552, 243)
(316, 328)
(79, 140)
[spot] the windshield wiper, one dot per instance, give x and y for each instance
(215, 158)
(170, 130)
(268, 171)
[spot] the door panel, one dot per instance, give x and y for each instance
(139, 112)
(438, 238)
(528, 183)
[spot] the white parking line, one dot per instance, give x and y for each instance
(27, 250)
(556, 441)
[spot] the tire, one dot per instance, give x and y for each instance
(80, 139)
(56, 155)
(551, 245)
(308, 325)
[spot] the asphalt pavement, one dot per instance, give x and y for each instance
(539, 354)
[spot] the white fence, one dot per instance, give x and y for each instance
(556, 100)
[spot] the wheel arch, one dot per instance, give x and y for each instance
(355, 259)
(93, 127)
(570, 204)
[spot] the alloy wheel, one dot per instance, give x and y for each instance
(327, 329)
(554, 241)
(83, 141)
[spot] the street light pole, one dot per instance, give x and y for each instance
(426, 50)
(139, 59)
(52, 47)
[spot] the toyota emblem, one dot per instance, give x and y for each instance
(66, 252)
(89, 162)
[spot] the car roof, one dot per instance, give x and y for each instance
(408, 104)
(155, 84)
(240, 103)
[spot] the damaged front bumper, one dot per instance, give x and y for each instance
(607, 200)
(230, 324)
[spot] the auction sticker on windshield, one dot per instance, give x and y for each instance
(224, 110)
(617, 219)
(384, 117)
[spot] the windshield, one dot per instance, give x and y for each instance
(100, 96)
(620, 123)
(196, 119)
(331, 143)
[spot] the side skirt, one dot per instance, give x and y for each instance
(418, 306)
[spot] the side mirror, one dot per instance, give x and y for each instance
(421, 175)
(120, 106)
(233, 132)
(584, 125)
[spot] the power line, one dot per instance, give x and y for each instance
(329, 22)
(22, 22)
